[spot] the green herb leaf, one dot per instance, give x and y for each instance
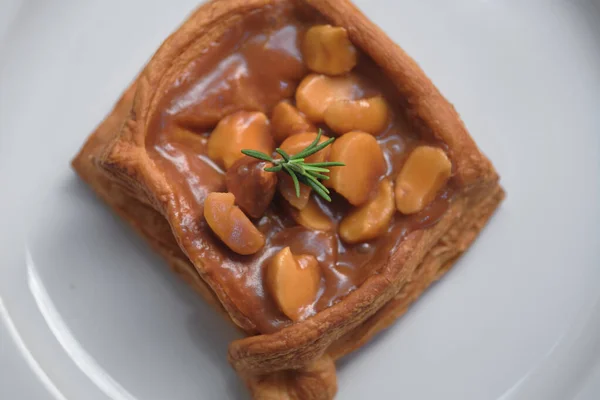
(319, 176)
(310, 146)
(317, 188)
(276, 168)
(294, 178)
(257, 154)
(308, 174)
(326, 164)
(283, 154)
(309, 167)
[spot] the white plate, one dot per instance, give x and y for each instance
(90, 313)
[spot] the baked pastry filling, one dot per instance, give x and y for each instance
(285, 243)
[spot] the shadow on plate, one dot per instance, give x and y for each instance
(209, 332)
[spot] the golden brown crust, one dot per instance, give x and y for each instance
(125, 157)
(115, 163)
(146, 220)
(278, 385)
(316, 381)
(269, 353)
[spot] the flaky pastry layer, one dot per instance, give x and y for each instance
(297, 361)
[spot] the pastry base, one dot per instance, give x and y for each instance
(297, 362)
(317, 379)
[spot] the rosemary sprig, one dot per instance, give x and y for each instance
(308, 174)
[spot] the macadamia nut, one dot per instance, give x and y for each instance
(293, 281)
(328, 50)
(286, 121)
(231, 225)
(365, 165)
(366, 115)
(237, 131)
(372, 219)
(425, 172)
(317, 92)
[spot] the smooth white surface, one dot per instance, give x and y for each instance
(90, 313)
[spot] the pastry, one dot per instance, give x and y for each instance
(309, 253)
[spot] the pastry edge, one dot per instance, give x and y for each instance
(117, 161)
(321, 369)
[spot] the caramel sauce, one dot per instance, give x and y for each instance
(252, 68)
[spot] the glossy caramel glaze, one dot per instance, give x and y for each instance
(252, 68)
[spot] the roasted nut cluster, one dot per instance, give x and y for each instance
(336, 99)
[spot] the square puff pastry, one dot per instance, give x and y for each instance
(298, 361)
